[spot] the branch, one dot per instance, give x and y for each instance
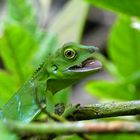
(113, 109)
(75, 127)
(86, 112)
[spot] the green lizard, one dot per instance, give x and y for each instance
(62, 68)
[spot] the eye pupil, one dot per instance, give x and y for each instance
(69, 53)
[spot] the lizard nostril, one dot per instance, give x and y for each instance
(93, 49)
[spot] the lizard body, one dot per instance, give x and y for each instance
(62, 68)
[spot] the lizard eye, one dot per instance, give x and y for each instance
(69, 53)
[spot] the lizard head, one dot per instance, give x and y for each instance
(69, 64)
(74, 61)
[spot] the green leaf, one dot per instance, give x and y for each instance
(17, 48)
(130, 7)
(124, 45)
(112, 90)
(48, 43)
(8, 86)
(22, 11)
(5, 134)
(68, 24)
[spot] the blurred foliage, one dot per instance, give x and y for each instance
(21, 11)
(120, 6)
(124, 46)
(70, 30)
(112, 89)
(124, 52)
(116, 137)
(70, 137)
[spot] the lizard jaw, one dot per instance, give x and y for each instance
(89, 64)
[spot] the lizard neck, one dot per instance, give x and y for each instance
(55, 85)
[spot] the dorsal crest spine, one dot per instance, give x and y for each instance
(39, 67)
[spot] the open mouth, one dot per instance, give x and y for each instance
(89, 64)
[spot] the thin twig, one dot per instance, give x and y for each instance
(75, 127)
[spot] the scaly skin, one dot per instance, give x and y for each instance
(62, 68)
